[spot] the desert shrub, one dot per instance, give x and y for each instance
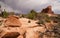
(44, 16)
(4, 14)
(21, 15)
(31, 15)
(55, 19)
(40, 22)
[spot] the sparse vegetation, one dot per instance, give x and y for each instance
(4, 14)
(40, 22)
(43, 18)
(32, 14)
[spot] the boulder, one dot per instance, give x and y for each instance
(12, 21)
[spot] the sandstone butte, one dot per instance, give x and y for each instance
(48, 10)
(15, 27)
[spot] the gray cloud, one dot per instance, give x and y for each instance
(27, 5)
(8, 8)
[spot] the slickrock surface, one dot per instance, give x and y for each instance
(34, 32)
(25, 30)
(25, 23)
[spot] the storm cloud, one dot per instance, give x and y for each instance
(24, 6)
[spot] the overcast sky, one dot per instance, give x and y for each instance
(24, 6)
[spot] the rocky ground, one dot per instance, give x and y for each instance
(27, 28)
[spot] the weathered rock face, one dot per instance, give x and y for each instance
(48, 10)
(12, 21)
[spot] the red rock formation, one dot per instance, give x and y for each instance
(48, 10)
(12, 21)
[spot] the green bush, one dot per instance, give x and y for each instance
(32, 14)
(4, 14)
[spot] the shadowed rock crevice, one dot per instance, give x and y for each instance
(11, 35)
